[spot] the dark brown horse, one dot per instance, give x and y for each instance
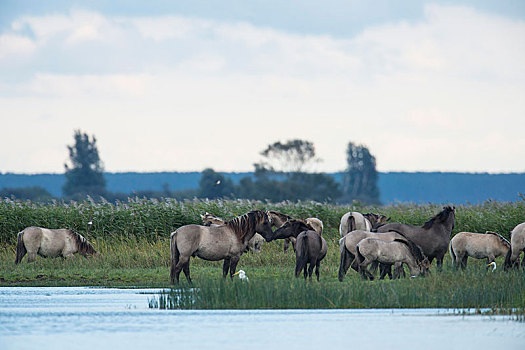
(216, 242)
(310, 247)
(433, 237)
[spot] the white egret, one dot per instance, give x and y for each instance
(242, 275)
(493, 264)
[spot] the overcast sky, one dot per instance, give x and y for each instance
(425, 85)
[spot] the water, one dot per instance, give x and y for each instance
(97, 318)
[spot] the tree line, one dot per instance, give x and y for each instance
(281, 174)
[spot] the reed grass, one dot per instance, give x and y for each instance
(133, 241)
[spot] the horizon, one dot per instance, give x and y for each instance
(427, 86)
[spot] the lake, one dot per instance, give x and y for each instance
(99, 318)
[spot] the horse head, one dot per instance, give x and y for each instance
(263, 225)
(291, 229)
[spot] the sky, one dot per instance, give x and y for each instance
(187, 85)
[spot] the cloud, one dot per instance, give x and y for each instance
(408, 90)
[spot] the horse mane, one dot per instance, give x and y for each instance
(83, 246)
(440, 217)
(246, 223)
(414, 249)
(501, 238)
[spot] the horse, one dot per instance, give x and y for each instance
(50, 243)
(354, 220)
(255, 244)
(517, 245)
(433, 237)
(310, 248)
(348, 244)
(278, 219)
(398, 251)
(225, 242)
(292, 228)
(489, 245)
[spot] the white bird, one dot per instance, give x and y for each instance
(242, 275)
(493, 264)
(218, 182)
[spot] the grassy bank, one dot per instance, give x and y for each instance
(133, 242)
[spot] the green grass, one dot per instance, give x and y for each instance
(133, 242)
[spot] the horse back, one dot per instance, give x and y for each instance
(206, 242)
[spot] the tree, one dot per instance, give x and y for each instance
(34, 193)
(214, 185)
(360, 178)
(85, 175)
(290, 157)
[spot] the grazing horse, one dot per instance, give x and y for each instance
(487, 245)
(353, 220)
(517, 245)
(310, 248)
(348, 244)
(51, 243)
(433, 237)
(214, 243)
(255, 244)
(397, 251)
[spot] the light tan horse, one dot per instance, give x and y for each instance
(225, 242)
(51, 243)
(489, 245)
(517, 244)
(354, 220)
(398, 251)
(255, 244)
(348, 244)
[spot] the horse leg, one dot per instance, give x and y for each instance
(234, 260)
(286, 244)
(464, 260)
(346, 259)
(385, 269)
(364, 271)
(186, 269)
(183, 260)
(225, 267)
(373, 267)
(311, 269)
(317, 264)
(522, 261)
(439, 261)
(31, 256)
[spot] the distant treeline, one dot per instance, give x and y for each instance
(419, 187)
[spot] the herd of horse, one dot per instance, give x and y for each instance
(368, 241)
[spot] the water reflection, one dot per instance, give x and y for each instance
(82, 318)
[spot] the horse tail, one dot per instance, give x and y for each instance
(174, 255)
(301, 254)
(20, 247)
(344, 260)
(452, 254)
(351, 223)
(507, 265)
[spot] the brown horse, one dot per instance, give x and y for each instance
(51, 243)
(348, 244)
(517, 245)
(254, 245)
(310, 249)
(488, 246)
(278, 219)
(214, 243)
(433, 237)
(398, 251)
